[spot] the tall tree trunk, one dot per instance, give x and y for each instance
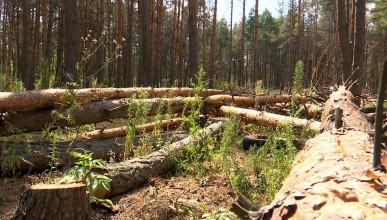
(159, 42)
(359, 47)
(256, 61)
(72, 49)
(291, 42)
(119, 36)
(193, 38)
(181, 70)
(128, 51)
(144, 23)
(345, 46)
(27, 73)
(213, 47)
(300, 31)
(242, 72)
(204, 64)
(101, 49)
(151, 49)
(231, 50)
(59, 78)
(36, 48)
(174, 41)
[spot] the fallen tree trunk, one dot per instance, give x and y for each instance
(88, 113)
(58, 97)
(35, 155)
(121, 131)
(216, 101)
(331, 177)
(270, 119)
(129, 174)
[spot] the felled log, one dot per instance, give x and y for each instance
(57, 97)
(129, 174)
(88, 113)
(332, 177)
(270, 119)
(34, 155)
(216, 101)
(121, 131)
(54, 201)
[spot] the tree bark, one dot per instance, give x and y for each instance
(72, 49)
(27, 73)
(331, 177)
(129, 174)
(34, 155)
(270, 119)
(54, 201)
(57, 97)
(345, 46)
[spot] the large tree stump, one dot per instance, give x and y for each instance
(54, 201)
(332, 176)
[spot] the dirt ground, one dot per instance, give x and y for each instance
(168, 197)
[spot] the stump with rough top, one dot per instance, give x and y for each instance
(54, 201)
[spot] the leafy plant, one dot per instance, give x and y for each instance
(83, 171)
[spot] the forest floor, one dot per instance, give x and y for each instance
(171, 196)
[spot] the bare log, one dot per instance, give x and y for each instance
(129, 174)
(332, 176)
(54, 201)
(57, 97)
(121, 131)
(270, 119)
(34, 155)
(88, 113)
(244, 101)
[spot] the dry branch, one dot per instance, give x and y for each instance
(331, 177)
(121, 131)
(34, 155)
(129, 174)
(270, 119)
(58, 97)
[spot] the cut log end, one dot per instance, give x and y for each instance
(54, 201)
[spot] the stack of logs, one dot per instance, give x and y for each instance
(35, 111)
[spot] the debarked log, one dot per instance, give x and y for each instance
(36, 155)
(121, 131)
(216, 101)
(57, 97)
(88, 113)
(270, 119)
(332, 177)
(129, 174)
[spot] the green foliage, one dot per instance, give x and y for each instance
(11, 164)
(297, 86)
(137, 114)
(273, 161)
(193, 159)
(83, 171)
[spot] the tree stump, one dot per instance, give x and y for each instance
(54, 201)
